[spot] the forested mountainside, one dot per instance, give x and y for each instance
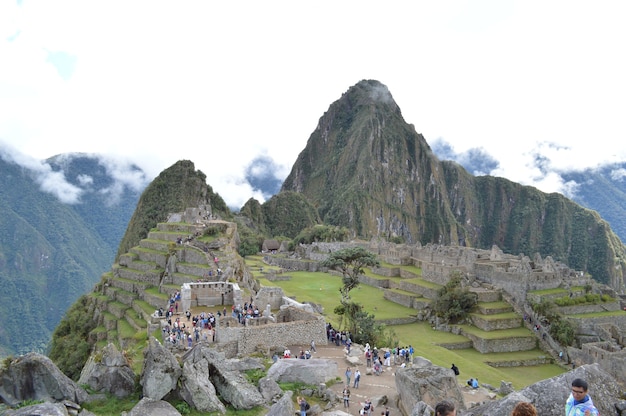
(367, 169)
(52, 252)
(178, 187)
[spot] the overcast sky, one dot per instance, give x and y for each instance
(226, 83)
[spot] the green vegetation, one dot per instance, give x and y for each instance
(454, 303)
(69, 349)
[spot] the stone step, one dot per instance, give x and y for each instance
(117, 308)
(178, 227)
(153, 278)
(509, 340)
(486, 295)
(494, 322)
(129, 285)
(418, 286)
(150, 255)
(158, 244)
(408, 299)
(492, 308)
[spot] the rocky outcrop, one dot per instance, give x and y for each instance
(196, 388)
(66, 408)
(422, 409)
(226, 376)
(427, 383)
(283, 407)
(313, 371)
(148, 406)
(109, 372)
(161, 371)
(549, 396)
(270, 390)
(35, 377)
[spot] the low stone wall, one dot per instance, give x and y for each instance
(457, 345)
(493, 311)
(293, 264)
(371, 281)
(495, 324)
(486, 295)
(415, 288)
(484, 346)
(273, 335)
(589, 308)
(405, 274)
(520, 363)
(409, 300)
(619, 320)
(386, 271)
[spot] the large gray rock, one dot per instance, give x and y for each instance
(148, 406)
(35, 377)
(227, 378)
(270, 390)
(313, 371)
(283, 407)
(549, 396)
(109, 374)
(196, 388)
(44, 409)
(161, 371)
(429, 384)
(422, 409)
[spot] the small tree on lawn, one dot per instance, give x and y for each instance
(351, 262)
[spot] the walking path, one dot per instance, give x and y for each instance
(372, 386)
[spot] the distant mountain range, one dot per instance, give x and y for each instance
(51, 252)
(363, 167)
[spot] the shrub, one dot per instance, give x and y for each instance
(454, 303)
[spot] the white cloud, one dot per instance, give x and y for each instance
(222, 83)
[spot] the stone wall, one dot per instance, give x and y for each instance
(589, 308)
(485, 346)
(272, 296)
(210, 294)
(248, 339)
(406, 299)
(494, 324)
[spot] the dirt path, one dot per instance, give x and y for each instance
(372, 386)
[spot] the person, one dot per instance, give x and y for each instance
(473, 383)
(579, 403)
(445, 408)
(303, 405)
(346, 396)
(313, 346)
(357, 378)
(455, 369)
(524, 409)
(348, 375)
(368, 407)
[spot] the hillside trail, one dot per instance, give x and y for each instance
(373, 386)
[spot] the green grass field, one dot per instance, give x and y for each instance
(323, 289)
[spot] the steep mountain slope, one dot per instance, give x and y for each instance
(176, 188)
(49, 257)
(365, 168)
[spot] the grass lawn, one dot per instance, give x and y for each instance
(323, 289)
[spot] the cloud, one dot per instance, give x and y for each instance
(476, 161)
(265, 175)
(49, 181)
(63, 62)
(618, 174)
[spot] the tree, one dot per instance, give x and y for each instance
(453, 303)
(351, 262)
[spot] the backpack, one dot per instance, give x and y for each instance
(307, 406)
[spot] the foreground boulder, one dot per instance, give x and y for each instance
(35, 377)
(147, 406)
(427, 383)
(313, 371)
(161, 371)
(549, 396)
(224, 374)
(196, 387)
(109, 372)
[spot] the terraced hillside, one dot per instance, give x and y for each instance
(146, 277)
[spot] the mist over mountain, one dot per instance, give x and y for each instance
(61, 223)
(602, 189)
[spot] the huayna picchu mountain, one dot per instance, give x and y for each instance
(365, 168)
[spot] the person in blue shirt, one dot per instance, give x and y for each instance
(579, 402)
